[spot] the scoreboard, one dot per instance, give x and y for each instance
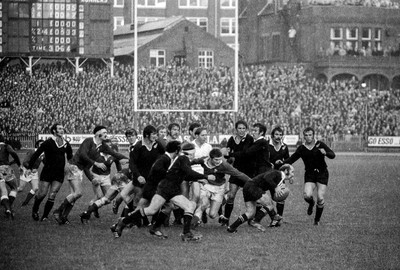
(56, 28)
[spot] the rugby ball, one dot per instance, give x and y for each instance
(283, 197)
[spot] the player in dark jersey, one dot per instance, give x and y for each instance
(313, 153)
(131, 136)
(255, 191)
(85, 157)
(30, 176)
(52, 175)
(143, 156)
(169, 189)
(237, 143)
(278, 151)
(7, 176)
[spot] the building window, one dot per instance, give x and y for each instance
(193, 3)
(142, 20)
(228, 3)
(202, 22)
(119, 3)
(366, 38)
(228, 26)
(352, 39)
(336, 38)
(152, 3)
(378, 39)
(118, 21)
(157, 57)
(206, 58)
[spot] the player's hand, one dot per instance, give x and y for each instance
(202, 181)
(100, 165)
(279, 190)
(278, 162)
(322, 150)
(141, 180)
(211, 177)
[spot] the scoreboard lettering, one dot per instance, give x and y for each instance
(56, 28)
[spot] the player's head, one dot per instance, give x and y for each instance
(200, 134)
(57, 129)
(216, 156)
(131, 135)
(241, 127)
(161, 131)
(192, 128)
(150, 133)
(174, 130)
(100, 132)
(38, 143)
(188, 150)
(288, 170)
(277, 134)
(173, 147)
(308, 134)
(259, 130)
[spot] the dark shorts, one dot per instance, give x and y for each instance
(168, 190)
(251, 192)
(149, 191)
(52, 176)
(317, 177)
(237, 181)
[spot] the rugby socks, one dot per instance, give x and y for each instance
(178, 214)
(220, 211)
(228, 210)
(271, 213)
(11, 196)
(310, 200)
(6, 203)
(62, 206)
(187, 220)
(260, 214)
(36, 204)
(92, 208)
(318, 212)
(160, 220)
(279, 208)
(30, 195)
(67, 210)
(47, 208)
(240, 220)
(135, 218)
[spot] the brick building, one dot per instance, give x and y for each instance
(332, 41)
(217, 17)
(172, 39)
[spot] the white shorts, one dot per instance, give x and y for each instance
(102, 180)
(215, 193)
(29, 175)
(72, 172)
(6, 173)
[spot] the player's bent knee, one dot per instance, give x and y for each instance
(320, 203)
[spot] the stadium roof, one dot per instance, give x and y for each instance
(124, 35)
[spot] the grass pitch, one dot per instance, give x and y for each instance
(360, 229)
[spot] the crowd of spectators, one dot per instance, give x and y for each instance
(345, 50)
(364, 3)
(277, 96)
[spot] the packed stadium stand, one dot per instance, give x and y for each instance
(276, 96)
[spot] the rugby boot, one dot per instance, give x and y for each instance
(190, 237)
